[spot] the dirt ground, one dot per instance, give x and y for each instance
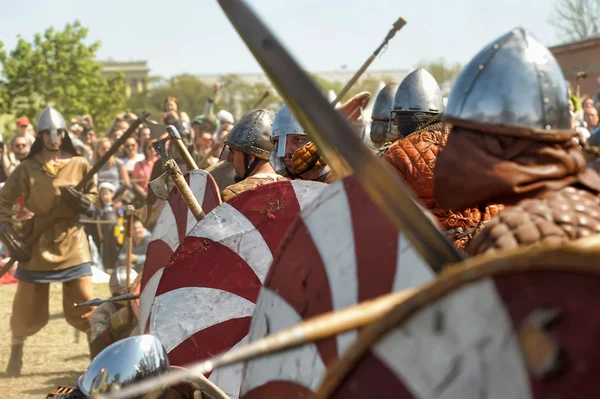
(52, 357)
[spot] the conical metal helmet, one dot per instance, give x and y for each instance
(285, 123)
(252, 134)
(419, 92)
(515, 85)
(383, 102)
(52, 120)
(118, 280)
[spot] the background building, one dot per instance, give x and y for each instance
(136, 74)
(582, 56)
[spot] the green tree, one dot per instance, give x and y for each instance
(57, 68)
(443, 72)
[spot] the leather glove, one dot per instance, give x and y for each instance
(14, 242)
(76, 200)
(121, 318)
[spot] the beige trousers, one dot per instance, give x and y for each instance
(31, 303)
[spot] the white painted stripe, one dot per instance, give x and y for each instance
(230, 228)
(461, 347)
(301, 365)
(166, 228)
(307, 191)
(198, 187)
(229, 378)
(147, 298)
(411, 269)
(179, 314)
(330, 225)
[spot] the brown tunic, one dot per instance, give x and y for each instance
(250, 183)
(64, 244)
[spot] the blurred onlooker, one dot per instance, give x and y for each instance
(24, 129)
(89, 138)
(225, 125)
(130, 154)
(144, 138)
(590, 115)
(115, 134)
(106, 210)
(81, 148)
(10, 159)
(114, 170)
(203, 141)
(140, 238)
(172, 113)
(143, 170)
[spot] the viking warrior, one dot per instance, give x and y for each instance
(287, 137)
(295, 156)
(512, 143)
(47, 178)
(382, 130)
(249, 149)
(112, 321)
(414, 156)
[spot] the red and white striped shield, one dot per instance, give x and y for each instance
(207, 293)
(341, 251)
(524, 326)
(174, 223)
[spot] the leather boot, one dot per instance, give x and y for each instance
(15, 363)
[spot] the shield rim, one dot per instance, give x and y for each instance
(579, 256)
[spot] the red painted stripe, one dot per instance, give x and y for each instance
(200, 262)
(158, 255)
(375, 243)
(180, 210)
(279, 389)
(271, 208)
(210, 341)
(298, 276)
(576, 331)
(212, 198)
(371, 379)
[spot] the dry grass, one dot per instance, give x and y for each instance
(51, 357)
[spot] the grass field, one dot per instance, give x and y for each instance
(51, 357)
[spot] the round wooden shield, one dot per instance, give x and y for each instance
(207, 293)
(521, 326)
(173, 224)
(342, 250)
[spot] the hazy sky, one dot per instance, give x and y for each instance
(179, 36)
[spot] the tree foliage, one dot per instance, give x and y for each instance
(57, 68)
(576, 20)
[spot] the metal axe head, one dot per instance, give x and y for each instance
(156, 129)
(159, 186)
(172, 130)
(161, 147)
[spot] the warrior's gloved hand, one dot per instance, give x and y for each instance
(306, 158)
(14, 242)
(76, 200)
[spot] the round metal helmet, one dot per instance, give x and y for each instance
(124, 363)
(419, 92)
(252, 134)
(118, 280)
(513, 82)
(52, 120)
(381, 130)
(284, 124)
